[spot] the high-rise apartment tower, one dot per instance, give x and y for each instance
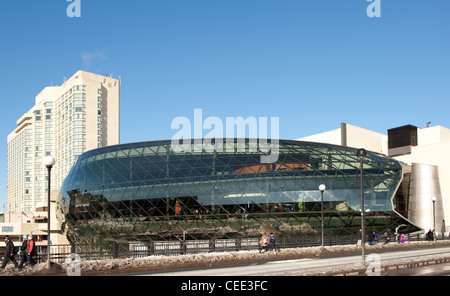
(67, 120)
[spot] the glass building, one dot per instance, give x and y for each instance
(151, 191)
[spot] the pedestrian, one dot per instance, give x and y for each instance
(370, 238)
(375, 238)
(387, 236)
(272, 243)
(359, 238)
(31, 250)
(263, 242)
(402, 238)
(23, 251)
(10, 253)
(429, 235)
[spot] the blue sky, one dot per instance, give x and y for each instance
(312, 63)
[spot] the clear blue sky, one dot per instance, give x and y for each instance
(313, 64)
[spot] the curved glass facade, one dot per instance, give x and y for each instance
(149, 191)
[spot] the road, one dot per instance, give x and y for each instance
(431, 270)
(291, 267)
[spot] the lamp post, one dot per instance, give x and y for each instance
(433, 199)
(361, 153)
(49, 161)
(322, 189)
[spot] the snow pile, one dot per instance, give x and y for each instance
(154, 263)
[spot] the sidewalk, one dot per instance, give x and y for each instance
(154, 263)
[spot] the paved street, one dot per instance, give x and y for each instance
(431, 270)
(291, 267)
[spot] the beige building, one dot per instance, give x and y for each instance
(352, 136)
(426, 161)
(67, 120)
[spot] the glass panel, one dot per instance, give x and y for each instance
(156, 191)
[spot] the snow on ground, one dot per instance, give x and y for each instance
(99, 267)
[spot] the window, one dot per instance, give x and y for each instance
(78, 150)
(79, 95)
(79, 122)
(79, 102)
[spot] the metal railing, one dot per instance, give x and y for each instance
(113, 250)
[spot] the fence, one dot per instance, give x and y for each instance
(59, 253)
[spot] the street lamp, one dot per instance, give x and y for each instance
(49, 161)
(361, 153)
(433, 199)
(322, 189)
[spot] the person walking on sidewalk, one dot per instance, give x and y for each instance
(359, 238)
(387, 236)
(263, 242)
(272, 243)
(370, 238)
(31, 250)
(10, 253)
(23, 251)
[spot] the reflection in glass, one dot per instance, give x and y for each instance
(146, 191)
